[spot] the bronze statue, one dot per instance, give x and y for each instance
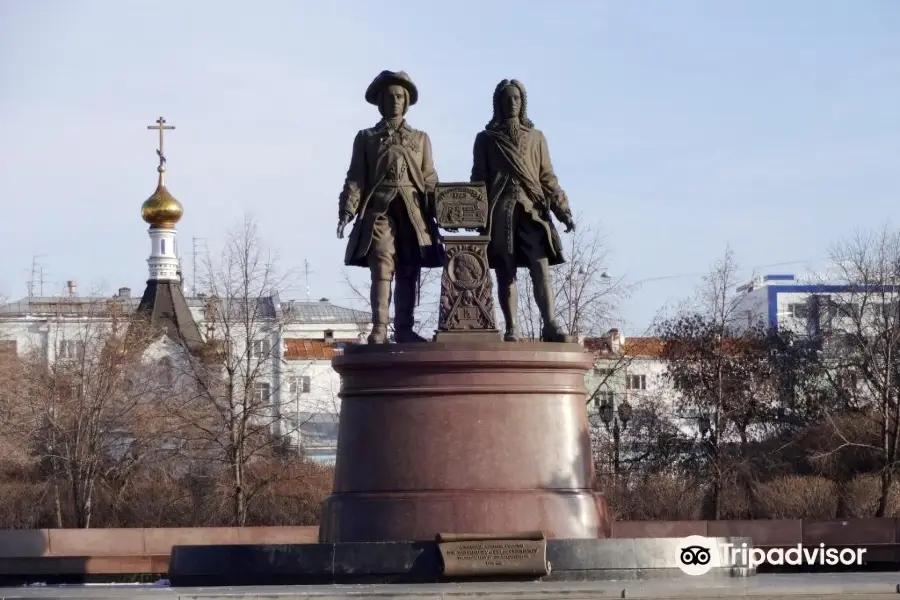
(512, 159)
(390, 179)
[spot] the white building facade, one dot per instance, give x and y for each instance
(631, 372)
(299, 380)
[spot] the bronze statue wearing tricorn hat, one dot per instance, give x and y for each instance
(386, 78)
(390, 179)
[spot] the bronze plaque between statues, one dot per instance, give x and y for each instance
(477, 556)
(461, 205)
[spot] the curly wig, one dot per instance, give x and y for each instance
(497, 119)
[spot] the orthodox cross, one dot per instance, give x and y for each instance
(161, 127)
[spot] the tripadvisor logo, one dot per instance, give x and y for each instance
(697, 555)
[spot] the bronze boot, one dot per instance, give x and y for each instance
(508, 298)
(405, 306)
(543, 297)
(380, 298)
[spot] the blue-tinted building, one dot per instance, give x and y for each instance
(805, 307)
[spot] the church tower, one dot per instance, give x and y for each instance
(163, 301)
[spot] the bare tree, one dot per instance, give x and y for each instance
(859, 329)
(587, 298)
(721, 380)
(88, 406)
(235, 408)
(650, 442)
(15, 440)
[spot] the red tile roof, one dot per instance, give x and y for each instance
(656, 348)
(597, 345)
(649, 347)
(307, 349)
(638, 347)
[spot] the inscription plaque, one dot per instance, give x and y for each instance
(461, 205)
(494, 555)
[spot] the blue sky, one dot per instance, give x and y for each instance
(676, 127)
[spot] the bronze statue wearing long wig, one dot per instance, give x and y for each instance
(512, 158)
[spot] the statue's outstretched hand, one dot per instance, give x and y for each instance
(560, 210)
(342, 224)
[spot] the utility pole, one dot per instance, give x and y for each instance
(306, 271)
(36, 279)
(199, 245)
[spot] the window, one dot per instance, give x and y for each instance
(261, 392)
(880, 312)
(300, 385)
(892, 308)
(849, 310)
(604, 397)
(261, 348)
(636, 382)
(884, 313)
(687, 412)
(71, 349)
(603, 373)
(822, 313)
(162, 246)
(799, 310)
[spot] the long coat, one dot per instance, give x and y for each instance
(496, 160)
(379, 155)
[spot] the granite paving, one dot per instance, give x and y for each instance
(855, 586)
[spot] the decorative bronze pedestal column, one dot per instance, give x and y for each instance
(467, 299)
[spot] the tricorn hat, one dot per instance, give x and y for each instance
(386, 78)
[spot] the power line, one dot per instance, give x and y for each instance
(740, 270)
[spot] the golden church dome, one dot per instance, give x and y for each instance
(162, 210)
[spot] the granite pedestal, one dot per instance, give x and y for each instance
(463, 437)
